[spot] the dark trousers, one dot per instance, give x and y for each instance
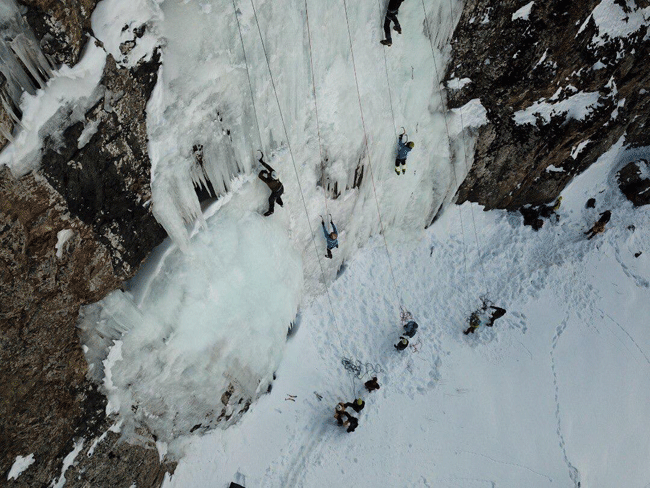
(275, 197)
(390, 16)
(399, 162)
(329, 253)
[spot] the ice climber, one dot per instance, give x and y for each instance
(357, 405)
(270, 177)
(402, 343)
(372, 385)
(410, 328)
(391, 15)
(330, 237)
(403, 148)
(599, 227)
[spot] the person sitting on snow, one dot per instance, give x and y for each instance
(391, 15)
(330, 237)
(402, 343)
(599, 227)
(403, 148)
(357, 406)
(270, 177)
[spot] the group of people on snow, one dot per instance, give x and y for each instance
(347, 420)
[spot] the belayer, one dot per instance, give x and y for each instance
(402, 343)
(599, 227)
(357, 405)
(391, 16)
(488, 313)
(344, 419)
(330, 237)
(403, 148)
(270, 177)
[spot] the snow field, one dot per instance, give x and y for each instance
(552, 395)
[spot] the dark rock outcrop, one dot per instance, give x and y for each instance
(105, 182)
(547, 59)
(632, 182)
(70, 234)
(61, 26)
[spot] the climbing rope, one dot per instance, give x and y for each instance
(302, 195)
(365, 136)
(390, 96)
(467, 168)
(250, 84)
(444, 113)
(313, 84)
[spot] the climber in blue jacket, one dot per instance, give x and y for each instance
(330, 237)
(403, 149)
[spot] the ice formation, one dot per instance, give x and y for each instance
(214, 316)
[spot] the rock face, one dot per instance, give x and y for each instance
(558, 91)
(105, 179)
(634, 182)
(61, 26)
(69, 235)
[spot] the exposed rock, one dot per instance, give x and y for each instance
(50, 264)
(548, 58)
(634, 182)
(106, 181)
(69, 235)
(61, 26)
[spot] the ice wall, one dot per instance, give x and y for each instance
(22, 62)
(210, 321)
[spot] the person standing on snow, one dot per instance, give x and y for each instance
(402, 343)
(357, 405)
(372, 384)
(599, 227)
(270, 177)
(330, 237)
(403, 148)
(391, 15)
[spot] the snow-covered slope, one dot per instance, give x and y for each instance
(203, 99)
(553, 395)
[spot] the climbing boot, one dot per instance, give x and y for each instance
(386, 42)
(279, 201)
(269, 212)
(397, 29)
(403, 169)
(397, 170)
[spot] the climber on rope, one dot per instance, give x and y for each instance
(487, 314)
(270, 177)
(403, 148)
(391, 16)
(330, 237)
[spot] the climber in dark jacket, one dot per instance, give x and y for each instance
(357, 405)
(402, 343)
(372, 384)
(403, 148)
(487, 313)
(391, 15)
(330, 237)
(270, 177)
